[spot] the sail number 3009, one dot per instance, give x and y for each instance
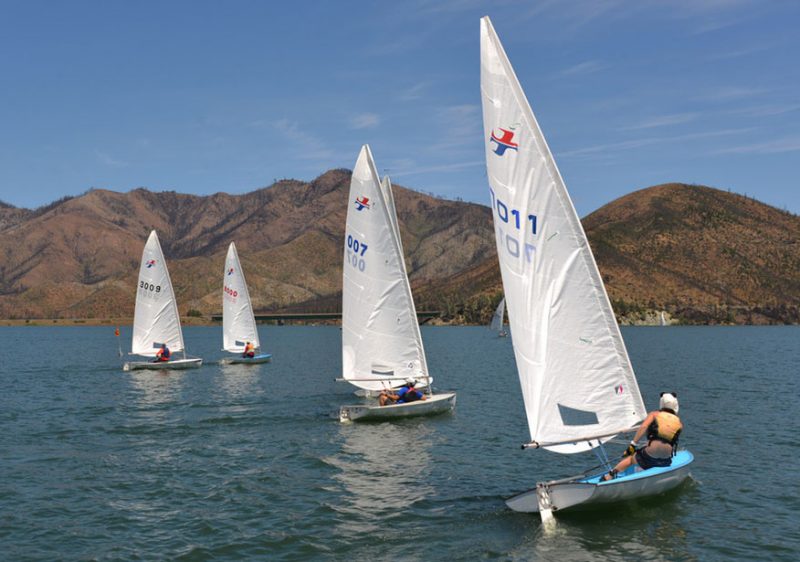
(355, 253)
(144, 285)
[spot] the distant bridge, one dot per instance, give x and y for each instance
(422, 316)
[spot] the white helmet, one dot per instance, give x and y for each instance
(669, 400)
(410, 381)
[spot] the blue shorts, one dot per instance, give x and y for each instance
(646, 461)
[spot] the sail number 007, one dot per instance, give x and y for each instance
(355, 253)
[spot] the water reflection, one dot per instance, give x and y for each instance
(652, 529)
(384, 469)
(155, 389)
(240, 381)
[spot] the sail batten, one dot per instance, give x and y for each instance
(379, 320)
(156, 320)
(569, 350)
(238, 321)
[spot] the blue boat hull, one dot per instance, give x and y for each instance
(260, 358)
(631, 484)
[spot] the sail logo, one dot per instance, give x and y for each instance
(504, 141)
(362, 203)
(230, 271)
(150, 263)
(618, 389)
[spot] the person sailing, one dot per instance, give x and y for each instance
(406, 393)
(249, 350)
(163, 354)
(662, 428)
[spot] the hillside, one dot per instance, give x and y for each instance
(79, 256)
(701, 254)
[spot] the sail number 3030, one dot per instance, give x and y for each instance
(355, 253)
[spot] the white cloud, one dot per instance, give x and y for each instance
(586, 67)
(777, 146)
(365, 121)
(310, 147)
(108, 160)
(662, 121)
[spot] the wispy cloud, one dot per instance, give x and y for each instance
(767, 110)
(777, 146)
(365, 121)
(637, 143)
(732, 93)
(586, 67)
(452, 167)
(309, 146)
(661, 121)
(414, 92)
(108, 160)
(459, 126)
(737, 53)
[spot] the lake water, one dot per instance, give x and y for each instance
(227, 463)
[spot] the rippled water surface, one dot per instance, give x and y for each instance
(233, 462)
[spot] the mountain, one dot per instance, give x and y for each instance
(701, 254)
(79, 257)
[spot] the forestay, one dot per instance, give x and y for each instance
(156, 320)
(381, 341)
(238, 322)
(577, 381)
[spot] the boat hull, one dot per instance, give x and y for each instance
(436, 404)
(177, 365)
(590, 490)
(258, 359)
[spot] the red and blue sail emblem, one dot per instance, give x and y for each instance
(362, 203)
(150, 263)
(503, 141)
(230, 271)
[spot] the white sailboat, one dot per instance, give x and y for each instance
(497, 319)
(238, 322)
(156, 321)
(381, 341)
(662, 319)
(577, 381)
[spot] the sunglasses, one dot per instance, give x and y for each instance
(675, 394)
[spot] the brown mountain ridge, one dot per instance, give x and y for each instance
(701, 254)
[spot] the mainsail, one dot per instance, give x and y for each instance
(381, 341)
(498, 317)
(238, 322)
(577, 381)
(156, 320)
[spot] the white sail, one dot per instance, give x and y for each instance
(577, 381)
(497, 319)
(156, 318)
(386, 188)
(381, 341)
(238, 322)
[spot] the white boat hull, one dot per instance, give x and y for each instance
(590, 490)
(258, 359)
(433, 405)
(176, 365)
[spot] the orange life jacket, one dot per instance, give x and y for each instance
(665, 428)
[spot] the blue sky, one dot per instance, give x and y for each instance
(201, 97)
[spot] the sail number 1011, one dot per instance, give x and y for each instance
(510, 242)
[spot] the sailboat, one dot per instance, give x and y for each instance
(662, 319)
(238, 322)
(381, 340)
(156, 320)
(497, 319)
(577, 381)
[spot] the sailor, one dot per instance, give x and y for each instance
(249, 350)
(404, 394)
(163, 354)
(662, 429)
